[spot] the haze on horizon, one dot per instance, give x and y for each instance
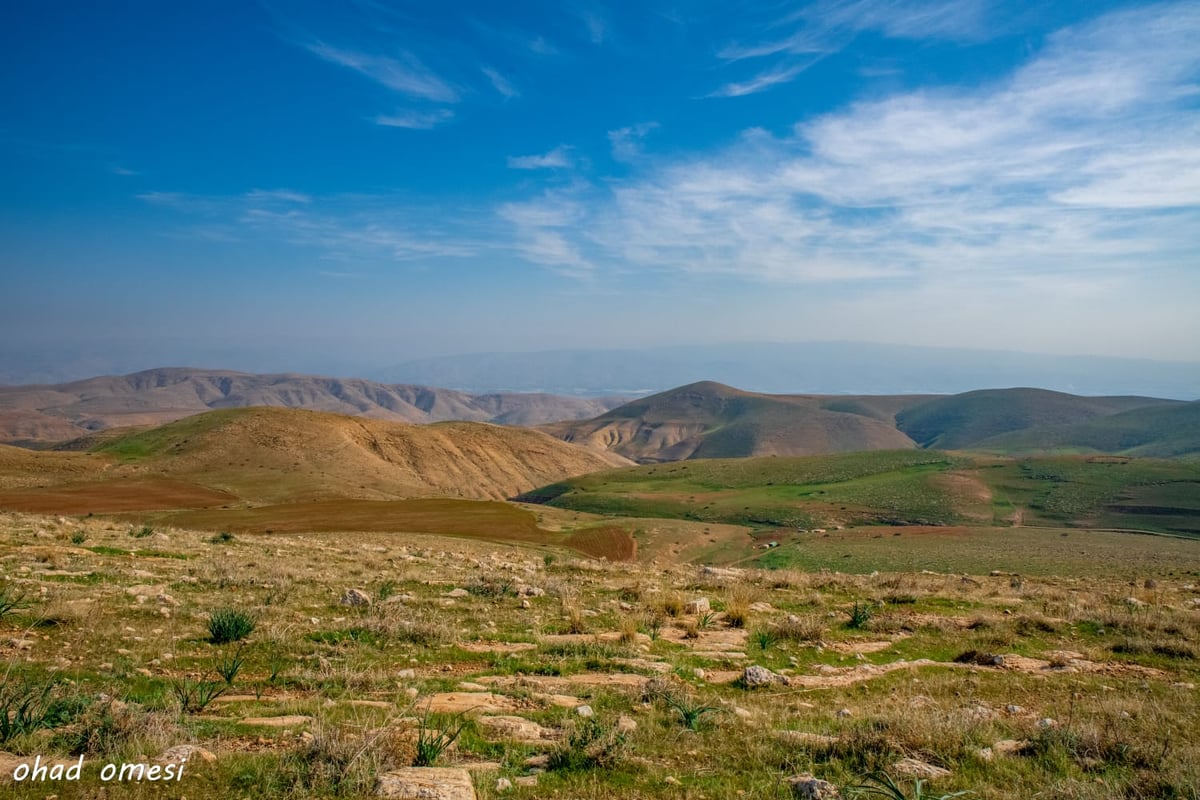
(362, 184)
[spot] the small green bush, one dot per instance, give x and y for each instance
(230, 625)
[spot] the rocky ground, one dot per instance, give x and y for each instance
(417, 666)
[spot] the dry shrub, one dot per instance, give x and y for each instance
(628, 629)
(672, 604)
(807, 628)
(404, 624)
(576, 622)
(738, 600)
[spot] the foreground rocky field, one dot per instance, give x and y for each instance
(524, 671)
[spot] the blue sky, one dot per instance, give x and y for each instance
(385, 180)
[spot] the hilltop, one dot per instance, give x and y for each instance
(55, 413)
(711, 420)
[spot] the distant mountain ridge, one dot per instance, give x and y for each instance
(711, 420)
(48, 413)
(825, 368)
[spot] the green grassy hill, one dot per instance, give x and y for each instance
(898, 488)
(964, 420)
(1162, 431)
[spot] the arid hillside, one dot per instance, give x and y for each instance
(268, 455)
(38, 414)
(711, 420)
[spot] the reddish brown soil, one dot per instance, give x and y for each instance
(105, 497)
(608, 542)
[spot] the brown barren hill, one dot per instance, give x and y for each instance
(39, 414)
(279, 455)
(711, 420)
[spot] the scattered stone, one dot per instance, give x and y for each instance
(915, 768)
(530, 591)
(503, 785)
(755, 676)
(1008, 747)
(626, 724)
(1046, 723)
(356, 598)
(762, 608)
(844, 713)
(467, 686)
(698, 606)
(527, 780)
(585, 711)
(406, 674)
(426, 783)
(456, 593)
(286, 721)
(518, 729)
(185, 752)
(671, 779)
(537, 762)
(470, 702)
(806, 787)
(1012, 708)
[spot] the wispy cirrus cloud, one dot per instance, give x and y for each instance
(558, 158)
(500, 83)
(415, 120)
(1077, 172)
(803, 37)
(364, 230)
(404, 73)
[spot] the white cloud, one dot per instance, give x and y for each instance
(558, 158)
(404, 74)
(822, 28)
(1081, 168)
(763, 80)
(500, 83)
(626, 142)
(415, 120)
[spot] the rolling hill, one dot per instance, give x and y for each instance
(962, 421)
(1162, 431)
(274, 455)
(898, 488)
(39, 414)
(711, 420)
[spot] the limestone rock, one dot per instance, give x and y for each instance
(806, 787)
(755, 676)
(426, 783)
(185, 752)
(518, 729)
(698, 606)
(356, 598)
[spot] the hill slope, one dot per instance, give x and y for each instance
(274, 454)
(711, 420)
(1162, 431)
(963, 420)
(30, 414)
